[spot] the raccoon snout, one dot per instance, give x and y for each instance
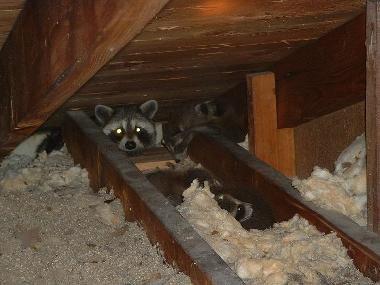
(130, 145)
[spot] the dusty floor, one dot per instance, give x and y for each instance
(55, 231)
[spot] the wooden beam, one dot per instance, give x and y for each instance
(251, 174)
(372, 114)
(322, 77)
(54, 48)
(267, 142)
(108, 166)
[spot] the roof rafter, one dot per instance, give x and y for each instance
(54, 48)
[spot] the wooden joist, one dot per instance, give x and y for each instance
(322, 77)
(53, 49)
(372, 114)
(234, 166)
(108, 166)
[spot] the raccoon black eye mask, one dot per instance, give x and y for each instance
(117, 135)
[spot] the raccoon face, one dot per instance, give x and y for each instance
(177, 145)
(131, 127)
(200, 114)
(241, 211)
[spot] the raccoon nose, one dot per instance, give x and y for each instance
(130, 145)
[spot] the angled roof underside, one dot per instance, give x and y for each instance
(202, 48)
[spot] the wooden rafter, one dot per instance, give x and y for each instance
(54, 48)
(322, 77)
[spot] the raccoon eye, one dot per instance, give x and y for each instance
(119, 132)
(138, 129)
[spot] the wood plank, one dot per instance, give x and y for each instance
(372, 114)
(188, 37)
(267, 142)
(54, 48)
(251, 174)
(322, 77)
(108, 166)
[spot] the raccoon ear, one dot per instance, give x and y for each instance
(149, 108)
(103, 114)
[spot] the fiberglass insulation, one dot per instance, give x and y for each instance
(292, 252)
(345, 189)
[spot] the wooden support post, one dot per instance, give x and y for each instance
(322, 77)
(267, 142)
(251, 174)
(108, 166)
(53, 49)
(372, 114)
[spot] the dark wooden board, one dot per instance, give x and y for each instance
(323, 77)
(54, 48)
(192, 49)
(372, 114)
(108, 166)
(233, 165)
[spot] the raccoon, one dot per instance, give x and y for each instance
(131, 127)
(224, 115)
(47, 139)
(172, 183)
(177, 144)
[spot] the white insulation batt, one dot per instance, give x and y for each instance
(55, 230)
(292, 252)
(344, 190)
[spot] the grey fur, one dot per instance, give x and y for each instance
(103, 113)
(130, 119)
(149, 108)
(225, 116)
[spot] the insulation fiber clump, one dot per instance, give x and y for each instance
(344, 190)
(292, 252)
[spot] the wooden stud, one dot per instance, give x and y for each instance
(108, 166)
(267, 142)
(54, 48)
(372, 114)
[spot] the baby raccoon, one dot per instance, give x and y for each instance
(45, 139)
(224, 115)
(131, 127)
(173, 182)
